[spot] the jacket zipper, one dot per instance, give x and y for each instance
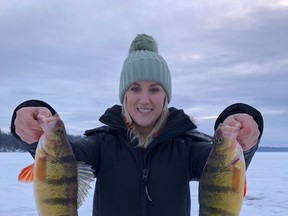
(146, 198)
(144, 178)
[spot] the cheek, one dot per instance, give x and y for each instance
(129, 102)
(160, 100)
(159, 103)
(130, 98)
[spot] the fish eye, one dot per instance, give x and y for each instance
(219, 140)
(59, 131)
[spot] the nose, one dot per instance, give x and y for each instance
(144, 97)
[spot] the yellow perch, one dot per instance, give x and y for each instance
(222, 185)
(60, 182)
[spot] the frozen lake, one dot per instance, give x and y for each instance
(267, 187)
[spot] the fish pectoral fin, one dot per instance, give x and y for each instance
(85, 176)
(40, 169)
(27, 174)
(237, 179)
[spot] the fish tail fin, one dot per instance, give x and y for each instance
(27, 174)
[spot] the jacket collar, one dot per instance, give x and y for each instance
(113, 118)
(178, 122)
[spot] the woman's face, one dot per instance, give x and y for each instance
(145, 101)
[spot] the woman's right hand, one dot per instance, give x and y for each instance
(26, 123)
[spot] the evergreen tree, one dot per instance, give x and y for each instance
(9, 143)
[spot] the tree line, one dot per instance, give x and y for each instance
(8, 143)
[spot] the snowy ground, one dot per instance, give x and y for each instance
(267, 194)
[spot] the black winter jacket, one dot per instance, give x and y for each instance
(151, 182)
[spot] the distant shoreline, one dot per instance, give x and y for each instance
(272, 149)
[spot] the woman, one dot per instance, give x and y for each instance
(146, 154)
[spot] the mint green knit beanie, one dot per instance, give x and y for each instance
(144, 63)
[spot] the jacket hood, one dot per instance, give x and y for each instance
(113, 118)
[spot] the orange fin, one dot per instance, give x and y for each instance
(245, 187)
(27, 174)
(40, 168)
(238, 181)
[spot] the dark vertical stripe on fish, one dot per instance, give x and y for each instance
(60, 201)
(211, 169)
(61, 160)
(61, 181)
(217, 188)
(217, 211)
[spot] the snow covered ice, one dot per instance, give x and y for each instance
(267, 187)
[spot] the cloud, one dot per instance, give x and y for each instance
(70, 54)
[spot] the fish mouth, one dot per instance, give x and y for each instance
(233, 162)
(45, 152)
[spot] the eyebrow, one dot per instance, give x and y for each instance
(135, 84)
(154, 84)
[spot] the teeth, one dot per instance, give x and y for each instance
(144, 110)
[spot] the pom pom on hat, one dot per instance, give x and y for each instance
(144, 63)
(143, 42)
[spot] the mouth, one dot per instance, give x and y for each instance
(44, 151)
(235, 161)
(144, 110)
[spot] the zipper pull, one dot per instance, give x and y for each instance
(145, 177)
(147, 195)
(145, 174)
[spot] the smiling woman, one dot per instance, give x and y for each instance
(145, 107)
(146, 154)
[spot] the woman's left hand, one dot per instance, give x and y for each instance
(249, 132)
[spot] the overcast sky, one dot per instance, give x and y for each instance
(70, 54)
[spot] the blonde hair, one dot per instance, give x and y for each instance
(144, 141)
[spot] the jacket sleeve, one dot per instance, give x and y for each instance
(28, 103)
(85, 149)
(31, 148)
(198, 157)
(199, 152)
(244, 108)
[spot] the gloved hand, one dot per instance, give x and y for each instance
(26, 123)
(249, 132)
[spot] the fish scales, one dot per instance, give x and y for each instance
(56, 173)
(221, 187)
(59, 184)
(56, 194)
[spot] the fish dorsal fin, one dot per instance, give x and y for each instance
(85, 176)
(27, 174)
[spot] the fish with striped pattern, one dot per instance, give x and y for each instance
(222, 185)
(60, 182)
